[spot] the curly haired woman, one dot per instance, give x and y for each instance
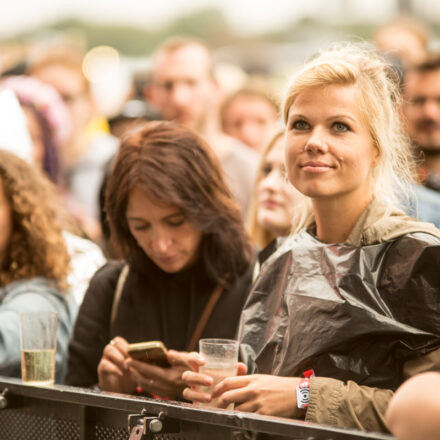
(34, 261)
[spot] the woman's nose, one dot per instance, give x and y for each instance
(181, 95)
(161, 243)
(317, 142)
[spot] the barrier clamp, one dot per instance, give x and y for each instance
(141, 426)
(3, 399)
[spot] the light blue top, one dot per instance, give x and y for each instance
(36, 294)
(425, 205)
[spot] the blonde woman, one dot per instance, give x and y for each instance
(349, 306)
(271, 210)
(34, 261)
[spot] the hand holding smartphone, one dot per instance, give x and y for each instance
(152, 352)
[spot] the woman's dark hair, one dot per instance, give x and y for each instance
(174, 165)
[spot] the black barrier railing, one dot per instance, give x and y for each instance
(67, 413)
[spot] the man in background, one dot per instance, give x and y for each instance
(421, 116)
(183, 89)
(421, 109)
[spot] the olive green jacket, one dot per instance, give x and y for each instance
(336, 403)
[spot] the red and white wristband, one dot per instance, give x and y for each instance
(303, 390)
(303, 393)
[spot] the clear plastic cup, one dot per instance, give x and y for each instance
(38, 337)
(221, 357)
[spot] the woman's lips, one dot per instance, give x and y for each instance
(166, 260)
(271, 204)
(315, 167)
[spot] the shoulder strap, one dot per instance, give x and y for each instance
(118, 293)
(206, 314)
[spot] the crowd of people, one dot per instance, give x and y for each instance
(305, 227)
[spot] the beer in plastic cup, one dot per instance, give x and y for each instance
(38, 337)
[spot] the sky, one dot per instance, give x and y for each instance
(247, 16)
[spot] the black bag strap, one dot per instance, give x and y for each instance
(201, 324)
(206, 314)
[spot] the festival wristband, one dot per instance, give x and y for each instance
(303, 393)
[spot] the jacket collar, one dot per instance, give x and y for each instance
(379, 223)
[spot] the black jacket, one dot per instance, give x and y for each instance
(154, 306)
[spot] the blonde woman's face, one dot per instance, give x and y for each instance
(162, 232)
(329, 150)
(276, 195)
(5, 222)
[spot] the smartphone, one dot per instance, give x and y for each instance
(153, 352)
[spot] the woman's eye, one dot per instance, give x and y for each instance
(141, 227)
(340, 127)
(267, 169)
(176, 222)
(300, 125)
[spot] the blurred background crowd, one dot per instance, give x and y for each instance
(84, 74)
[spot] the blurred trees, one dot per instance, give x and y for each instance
(254, 53)
(208, 24)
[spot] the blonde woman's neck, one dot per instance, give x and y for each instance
(335, 219)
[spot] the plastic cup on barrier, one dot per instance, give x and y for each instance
(221, 357)
(38, 337)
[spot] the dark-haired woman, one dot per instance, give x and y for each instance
(175, 222)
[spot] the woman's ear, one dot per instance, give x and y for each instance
(376, 156)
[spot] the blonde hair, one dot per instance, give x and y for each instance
(377, 82)
(260, 235)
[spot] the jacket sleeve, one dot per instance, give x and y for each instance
(335, 403)
(92, 328)
(30, 301)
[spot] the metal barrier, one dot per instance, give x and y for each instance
(68, 413)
